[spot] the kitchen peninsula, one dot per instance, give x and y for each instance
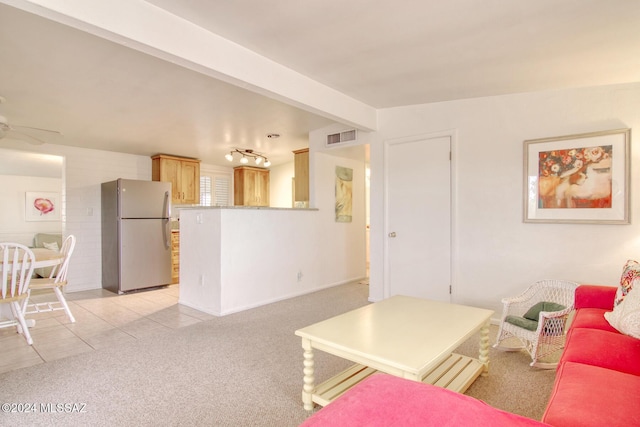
(235, 258)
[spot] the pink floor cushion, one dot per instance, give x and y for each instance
(601, 348)
(387, 401)
(590, 396)
(592, 318)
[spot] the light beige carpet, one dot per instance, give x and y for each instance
(243, 369)
(512, 385)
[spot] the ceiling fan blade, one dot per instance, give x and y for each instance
(39, 129)
(30, 139)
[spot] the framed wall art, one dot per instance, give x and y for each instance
(42, 206)
(580, 178)
(344, 194)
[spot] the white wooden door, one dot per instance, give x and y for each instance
(418, 217)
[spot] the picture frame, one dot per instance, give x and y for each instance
(42, 206)
(582, 178)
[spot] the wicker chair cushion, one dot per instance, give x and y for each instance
(534, 312)
(530, 325)
(530, 319)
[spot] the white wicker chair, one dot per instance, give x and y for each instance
(545, 336)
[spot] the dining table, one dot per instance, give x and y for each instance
(44, 258)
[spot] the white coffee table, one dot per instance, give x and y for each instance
(403, 336)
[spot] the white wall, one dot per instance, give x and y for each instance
(280, 185)
(495, 253)
(342, 245)
(85, 170)
(13, 226)
(234, 259)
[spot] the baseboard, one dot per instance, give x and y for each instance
(289, 296)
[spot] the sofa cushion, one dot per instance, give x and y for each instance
(595, 296)
(51, 246)
(630, 272)
(625, 317)
(40, 238)
(608, 350)
(387, 401)
(590, 396)
(592, 318)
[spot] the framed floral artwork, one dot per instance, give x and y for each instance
(580, 178)
(42, 206)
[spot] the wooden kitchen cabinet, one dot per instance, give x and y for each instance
(301, 178)
(175, 257)
(183, 174)
(250, 186)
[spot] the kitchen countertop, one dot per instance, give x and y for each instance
(248, 207)
(175, 223)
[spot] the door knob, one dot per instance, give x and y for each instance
(392, 234)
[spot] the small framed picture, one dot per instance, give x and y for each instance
(42, 206)
(580, 178)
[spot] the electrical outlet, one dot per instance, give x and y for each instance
(300, 276)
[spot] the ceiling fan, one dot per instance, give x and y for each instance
(24, 133)
(17, 132)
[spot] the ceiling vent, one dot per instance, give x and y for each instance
(342, 137)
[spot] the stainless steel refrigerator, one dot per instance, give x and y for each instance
(136, 235)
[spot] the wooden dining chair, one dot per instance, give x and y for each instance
(16, 271)
(56, 281)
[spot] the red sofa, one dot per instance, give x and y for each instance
(598, 377)
(597, 384)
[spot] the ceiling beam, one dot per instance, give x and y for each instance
(154, 31)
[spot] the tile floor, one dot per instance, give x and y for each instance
(102, 319)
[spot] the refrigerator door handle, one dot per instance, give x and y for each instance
(166, 231)
(167, 205)
(167, 223)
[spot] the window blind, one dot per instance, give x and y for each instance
(222, 196)
(215, 190)
(205, 190)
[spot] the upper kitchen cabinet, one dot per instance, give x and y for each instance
(250, 186)
(301, 178)
(183, 174)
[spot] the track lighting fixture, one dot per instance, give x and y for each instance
(248, 154)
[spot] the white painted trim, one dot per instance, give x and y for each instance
(453, 135)
(286, 297)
